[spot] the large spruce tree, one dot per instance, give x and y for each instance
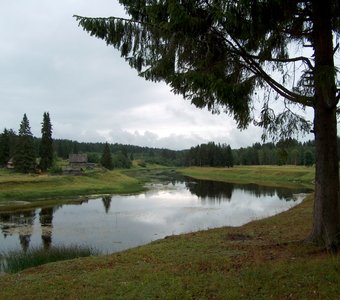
(24, 157)
(46, 145)
(217, 53)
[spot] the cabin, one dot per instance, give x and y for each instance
(78, 161)
(77, 164)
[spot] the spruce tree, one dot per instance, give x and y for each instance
(229, 157)
(4, 147)
(106, 160)
(46, 145)
(75, 147)
(24, 157)
(308, 158)
(217, 53)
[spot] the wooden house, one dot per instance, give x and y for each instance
(78, 161)
(77, 164)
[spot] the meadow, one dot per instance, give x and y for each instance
(264, 259)
(284, 176)
(27, 190)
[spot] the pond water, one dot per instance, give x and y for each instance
(115, 223)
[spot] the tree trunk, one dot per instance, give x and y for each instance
(326, 226)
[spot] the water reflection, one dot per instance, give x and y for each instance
(107, 203)
(211, 191)
(216, 192)
(120, 222)
(18, 223)
(46, 218)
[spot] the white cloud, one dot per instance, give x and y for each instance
(48, 63)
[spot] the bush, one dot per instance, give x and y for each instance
(142, 164)
(55, 170)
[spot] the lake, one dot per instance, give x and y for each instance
(114, 223)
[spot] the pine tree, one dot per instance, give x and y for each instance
(46, 145)
(75, 149)
(4, 147)
(229, 157)
(308, 158)
(106, 160)
(24, 157)
(216, 53)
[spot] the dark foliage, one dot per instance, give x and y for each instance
(24, 157)
(106, 159)
(5, 152)
(46, 143)
(211, 154)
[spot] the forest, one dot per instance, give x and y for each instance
(284, 152)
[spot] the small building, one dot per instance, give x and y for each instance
(78, 161)
(77, 164)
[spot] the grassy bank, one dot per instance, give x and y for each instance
(284, 176)
(21, 187)
(263, 259)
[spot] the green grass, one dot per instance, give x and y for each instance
(32, 187)
(284, 176)
(15, 261)
(23, 187)
(264, 259)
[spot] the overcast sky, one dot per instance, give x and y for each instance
(49, 64)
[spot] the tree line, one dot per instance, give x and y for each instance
(26, 153)
(211, 154)
(29, 153)
(283, 152)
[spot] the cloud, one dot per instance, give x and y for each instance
(48, 63)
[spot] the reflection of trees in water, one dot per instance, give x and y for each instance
(46, 222)
(261, 191)
(20, 217)
(217, 192)
(257, 190)
(211, 191)
(107, 203)
(24, 241)
(22, 222)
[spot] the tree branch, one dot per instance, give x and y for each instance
(250, 60)
(336, 48)
(258, 70)
(287, 60)
(79, 18)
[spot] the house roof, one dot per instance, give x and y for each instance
(77, 158)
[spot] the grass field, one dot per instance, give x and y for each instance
(285, 176)
(22, 187)
(264, 259)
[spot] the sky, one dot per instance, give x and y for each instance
(49, 64)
